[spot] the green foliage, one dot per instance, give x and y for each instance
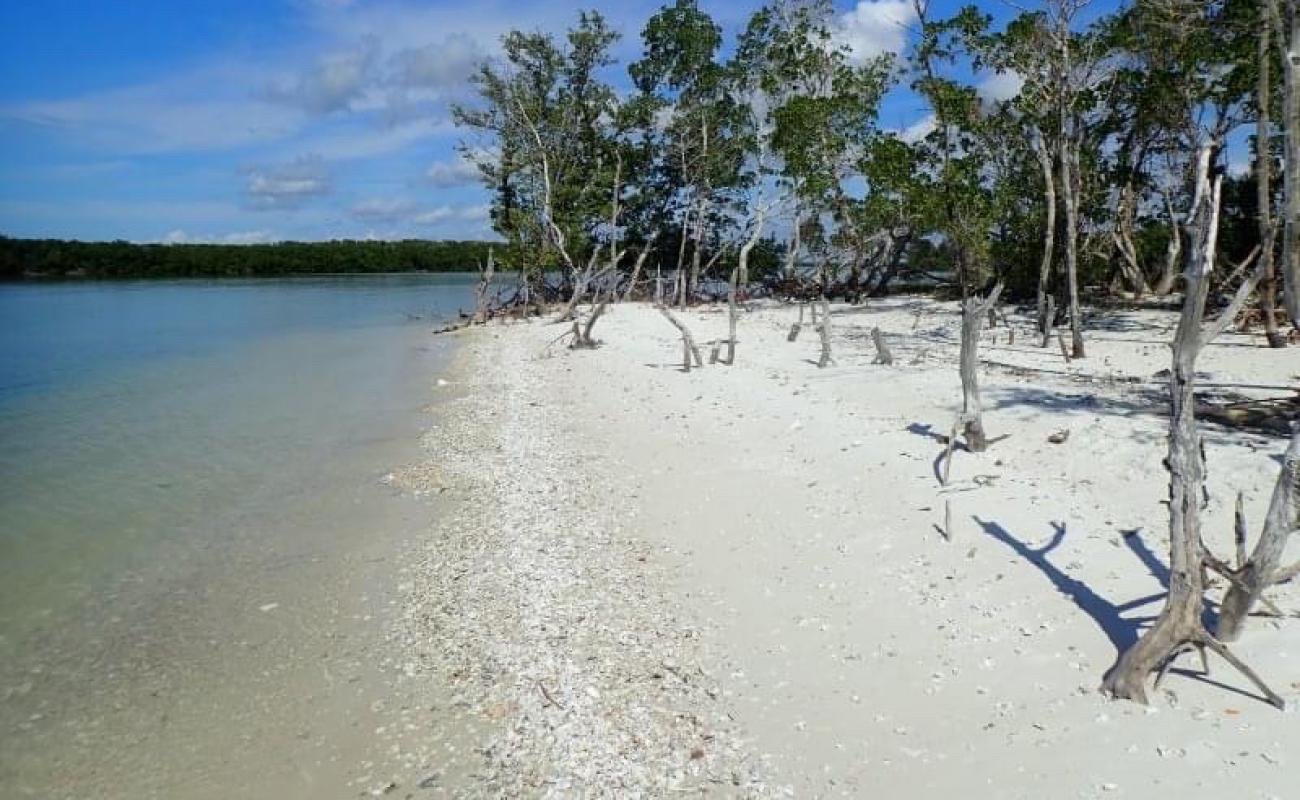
(54, 258)
(547, 152)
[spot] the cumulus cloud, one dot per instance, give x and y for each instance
(438, 65)
(876, 27)
(383, 210)
(450, 174)
(287, 186)
(918, 130)
(333, 83)
(1001, 86)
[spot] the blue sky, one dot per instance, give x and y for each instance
(262, 120)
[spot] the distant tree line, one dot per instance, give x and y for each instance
(56, 258)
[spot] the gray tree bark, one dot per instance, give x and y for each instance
(973, 312)
(1264, 177)
(1070, 194)
(1291, 120)
(1264, 567)
(481, 291)
(824, 329)
(1049, 228)
(689, 349)
(1179, 628)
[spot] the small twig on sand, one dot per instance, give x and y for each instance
(550, 700)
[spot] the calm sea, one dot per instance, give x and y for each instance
(159, 439)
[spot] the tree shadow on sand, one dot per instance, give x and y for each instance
(1123, 631)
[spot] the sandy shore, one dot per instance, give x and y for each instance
(731, 581)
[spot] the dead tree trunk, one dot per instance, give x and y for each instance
(1178, 628)
(733, 312)
(646, 249)
(796, 327)
(689, 349)
(739, 277)
(883, 356)
(973, 311)
(582, 333)
(1264, 567)
(824, 330)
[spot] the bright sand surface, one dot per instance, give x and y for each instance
(732, 580)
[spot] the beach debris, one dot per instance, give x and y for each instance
(265, 607)
(1060, 436)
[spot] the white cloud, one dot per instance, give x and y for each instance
(1001, 86)
(288, 186)
(918, 130)
(179, 236)
(383, 210)
(876, 27)
(477, 213)
(444, 64)
(450, 174)
(180, 114)
(333, 83)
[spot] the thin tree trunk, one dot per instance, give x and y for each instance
(1291, 121)
(1130, 268)
(1264, 566)
(973, 312)
(1070, 191)
(739, 277)
(1264, 177)
(792, 253)
(883, 356)
(1049, 228)
(484, 284)
(689, 348)
(1178, 628)
(824, 329)
(1173, 254)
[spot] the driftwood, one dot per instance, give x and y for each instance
(582, 333)
(796, 327)
(972, 418)
(1179, 627)
(689, 348)
(883, 356)
(1276, 415)
(824, 331)
(1264, 566)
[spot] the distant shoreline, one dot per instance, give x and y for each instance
(24, 260)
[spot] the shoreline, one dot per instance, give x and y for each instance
(568, 666)
(753, 549)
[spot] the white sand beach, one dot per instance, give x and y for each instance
(733, 581)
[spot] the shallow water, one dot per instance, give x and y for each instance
(184, 468)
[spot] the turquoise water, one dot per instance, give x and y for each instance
(154, 432)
